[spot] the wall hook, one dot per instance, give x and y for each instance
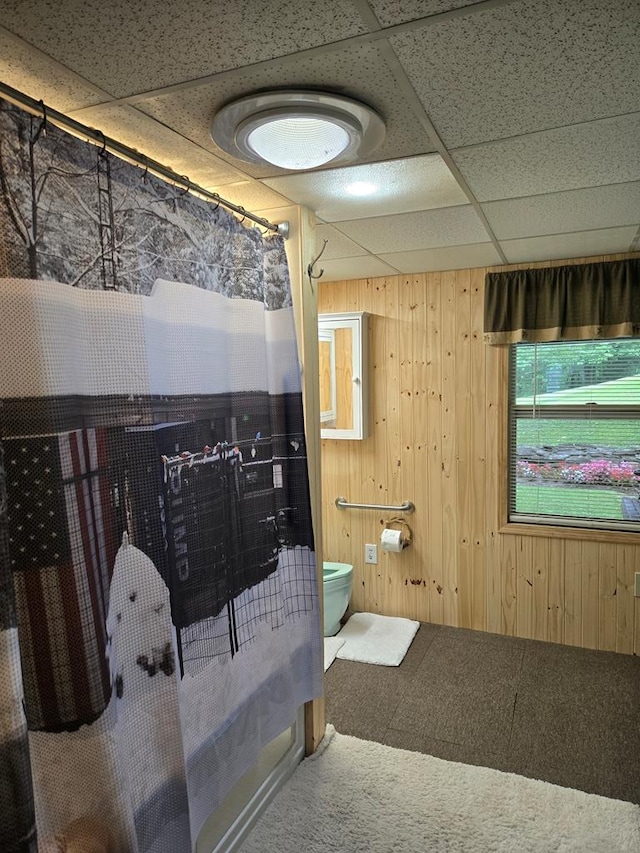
(310, 272)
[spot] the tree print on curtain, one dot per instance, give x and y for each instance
(158, 606)
(73, 214)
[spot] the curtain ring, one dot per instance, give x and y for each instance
(187, 181)
(146, 169)
(42, 127)
(217, 198)
(102, 152)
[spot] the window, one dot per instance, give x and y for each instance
(574, 434)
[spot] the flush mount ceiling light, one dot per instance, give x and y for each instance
(297, 129)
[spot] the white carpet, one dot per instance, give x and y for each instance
(377, 639)
(354, 795)
(331, 647)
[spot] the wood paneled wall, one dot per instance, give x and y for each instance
(439, 401)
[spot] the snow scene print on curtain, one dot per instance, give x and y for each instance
(158, 605)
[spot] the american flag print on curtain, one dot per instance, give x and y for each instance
(62, 546)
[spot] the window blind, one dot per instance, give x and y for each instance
(574, 433)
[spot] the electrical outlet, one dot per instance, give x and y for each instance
(637, 588)
(371, 553)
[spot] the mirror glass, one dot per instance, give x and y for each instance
(336, 377)
(342, 384)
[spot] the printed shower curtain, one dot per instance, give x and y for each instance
(158, 603)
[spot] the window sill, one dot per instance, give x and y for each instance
(618, 537)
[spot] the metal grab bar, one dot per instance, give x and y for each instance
(343, 503)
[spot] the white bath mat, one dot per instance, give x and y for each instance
(331, 647)
(376, 639)
(356, 795)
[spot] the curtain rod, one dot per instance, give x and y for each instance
(98, 137)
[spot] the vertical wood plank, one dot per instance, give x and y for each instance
(573, 592)
(627, 563)
(508, 569)
(462, 403)
(478, 466)
(435, 524)
(524, 586)
(556, 605)
(416, 459)
(590, 595)
(540, 587)
(608, 597)
(409, 568)
(448, 477)
(380, 440)
(393, 563)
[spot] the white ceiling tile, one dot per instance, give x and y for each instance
(530, 95)
(338, 246)
(390, 12)
(584, 244)
(37, 75)
(347, 268)
(139, 131)
(252, 195)
(557, 213)
(583, 155)
(450, 258)
(128, 47)
(428, 229)
(401, 186)
(524, 66)
(359, 71)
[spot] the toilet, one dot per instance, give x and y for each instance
(337, 579)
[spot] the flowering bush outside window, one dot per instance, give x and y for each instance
(601, 472)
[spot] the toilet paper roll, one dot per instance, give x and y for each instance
(392, 540)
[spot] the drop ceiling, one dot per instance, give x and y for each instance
(513, 126)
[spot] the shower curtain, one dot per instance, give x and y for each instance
(159, 615)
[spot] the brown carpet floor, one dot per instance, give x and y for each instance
(565, 715)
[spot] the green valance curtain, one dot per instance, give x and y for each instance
(566, 303)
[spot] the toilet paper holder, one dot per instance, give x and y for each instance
(401, 538)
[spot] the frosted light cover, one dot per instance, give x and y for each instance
(298, 142)
(361, 188)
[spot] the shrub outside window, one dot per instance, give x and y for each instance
(574, 434)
